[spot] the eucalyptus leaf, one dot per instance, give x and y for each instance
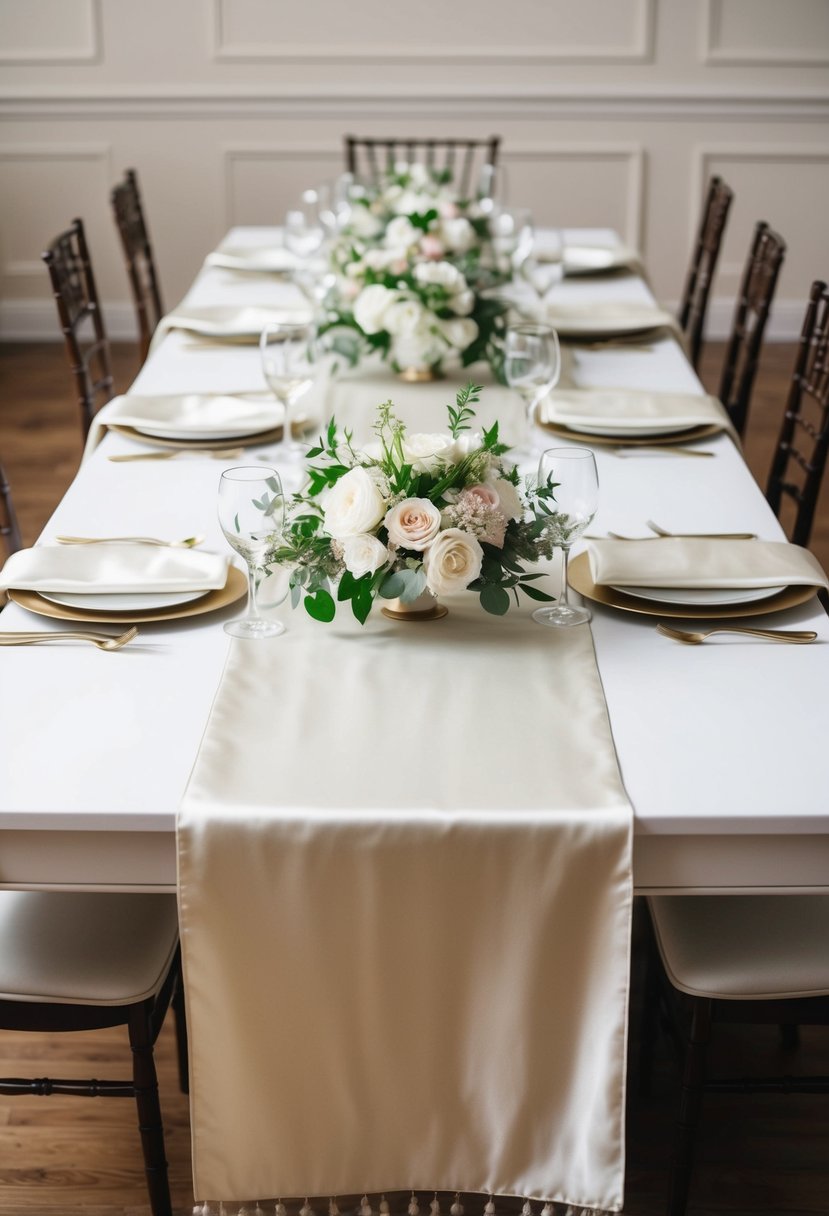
(495, 600)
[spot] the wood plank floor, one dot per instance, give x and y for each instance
(757, 1155)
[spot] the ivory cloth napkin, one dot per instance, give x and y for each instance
(220, 321)
(268, 259)
(113, 568)
(184, 412)
(632, 409)
(687, 562)
(606, 317)
(404, 896)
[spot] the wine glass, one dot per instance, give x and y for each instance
(304, 228)
(572, 474)
(512, 238)
(290, 367)
(252, 517)
(491, 191)
(532, 365)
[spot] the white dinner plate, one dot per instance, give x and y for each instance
(262, 260)
(227, 432)
(593, 259)
(702, 596)
(624, 432)
(124, 602)
(605, 320)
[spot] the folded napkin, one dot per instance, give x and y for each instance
(266, 259)
(197, 415)
(631, 410)
(606, 318)
(112, 569)
(245, 324)
(594, 259)
(685, 562)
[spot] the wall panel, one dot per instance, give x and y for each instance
(610, 114)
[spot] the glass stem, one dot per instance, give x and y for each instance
(253, 613)
(563, 601)
(287, 434)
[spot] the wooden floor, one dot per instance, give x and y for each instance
(757, 1155)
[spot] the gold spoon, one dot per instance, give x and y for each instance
(104, 641)
(189, 542)
(693, 638)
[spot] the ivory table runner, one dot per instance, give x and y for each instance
(405, 891)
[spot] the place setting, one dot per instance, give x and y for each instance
(121, 580)
(697, 576)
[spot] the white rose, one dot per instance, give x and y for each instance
(462, 303)
(452, 561)
(466, 442)
(509, 500)
(403, 317)
(377, 259)
(413, 202)
(459, 332)
(413, 523)
(371, 305)
(400, 233)
(363, 554)
(362, 223)
(442, 274)
(458, 234)
(353, 505)
(426, 452)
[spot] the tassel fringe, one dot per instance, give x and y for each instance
(262, 1207)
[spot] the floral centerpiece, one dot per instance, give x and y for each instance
(411, 261)
(410, 514)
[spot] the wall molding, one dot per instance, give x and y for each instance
(90, 53)
(640, 51)
(141, 103)
(749, 56)
(233, 154)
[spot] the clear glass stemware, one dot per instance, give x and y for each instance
(252, 518)
(290, 367)
(572, 472)
(532, 366)
(304, 231)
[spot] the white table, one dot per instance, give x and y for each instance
(721, 747)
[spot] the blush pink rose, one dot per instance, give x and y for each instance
(486, 494)
(413, 523)
(432, 247)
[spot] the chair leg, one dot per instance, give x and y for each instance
(650, 1020)
(181, 1037)
(689, 1107)
(789, 1036)
(149, 1110)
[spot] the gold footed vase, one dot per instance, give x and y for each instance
(420, 375)
(424, 608)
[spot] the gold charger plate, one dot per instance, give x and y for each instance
(620, 441)
(235, 587)
(200, 445)
(580, 580)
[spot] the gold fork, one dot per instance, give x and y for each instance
(694, 637)
(701, 535)
(189, 542)
(225, 454)
(104, 641)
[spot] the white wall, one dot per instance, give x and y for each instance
(612, 112)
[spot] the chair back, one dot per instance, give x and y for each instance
(132, 227)
(751, 313)
(9, 528)
(461, 159)
(800, 456)
(699, 278)
(79, 311)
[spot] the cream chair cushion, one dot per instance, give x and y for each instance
(85, 949)
(744, 947)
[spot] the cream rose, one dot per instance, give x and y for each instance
(401, 233)
(440, 274)
(459, 332)
(413, 523)
(458, 234)
(371, 306)
(426, 452)
(353, 505)
(452, 561)
(403, 317)
(508, 497)
(363, 554)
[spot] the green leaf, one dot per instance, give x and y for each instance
(536, 594)
(405, 585)
(347, 584)
(320, 606)
(494, 600)
(296, 595)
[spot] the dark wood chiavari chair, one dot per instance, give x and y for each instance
(79, 311)
(750, 316)
(796, 474)
(132, 227)
(706, 251)
(740, 959)
(83, 961)
(462, 159)
(9, 528)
